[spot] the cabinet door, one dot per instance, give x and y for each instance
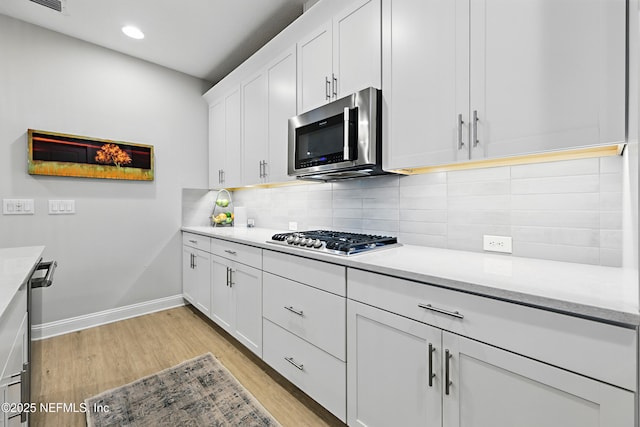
(221, 296)
(495, 388)
(202, 269)
(315, 68)
(254, 128)
(188, 275)
(281, 77)
(217, 147)
(357, 48)
(246, 285)
(388, 368)
(425, 81)
(547, 74)
(232, 176)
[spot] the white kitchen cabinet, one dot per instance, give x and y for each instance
(196, 272)
(497, 388)
(237, 296)
(14, 358)
(404, 372)
(225, 154)
(388, 369)
(304, 309)
(493, 78)
(340, 57)
(268, 101)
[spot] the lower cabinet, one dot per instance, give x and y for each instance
(404, 372)
(304, 309)
(196, 278)
(316, 372)
(14, 359)
(196, 271)
(236, 299)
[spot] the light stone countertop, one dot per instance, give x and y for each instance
(602, 293)
(15, 266)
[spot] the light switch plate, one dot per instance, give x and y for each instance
(62, 207)
(18, 207)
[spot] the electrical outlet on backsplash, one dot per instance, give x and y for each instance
(566, 210)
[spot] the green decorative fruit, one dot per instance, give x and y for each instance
(222, 203)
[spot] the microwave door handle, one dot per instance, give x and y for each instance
(346, 151)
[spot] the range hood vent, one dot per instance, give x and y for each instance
(56, 5)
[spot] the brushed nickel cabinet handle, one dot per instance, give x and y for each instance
(431, 374)
(447, 381)
(195, 242)
(231, 282)
(474, 125)
(455, 314)
(327, 88)
(335, 85)
(293, 310)
(228, 274)
(460, 124)
(293, 362)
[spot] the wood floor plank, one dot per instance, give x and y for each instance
(72, 367)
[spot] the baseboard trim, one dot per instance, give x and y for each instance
(73, 324)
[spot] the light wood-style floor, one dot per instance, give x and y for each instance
(70, 368)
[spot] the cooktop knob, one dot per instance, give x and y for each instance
(290, 239)
(317, 243)
(296, 240)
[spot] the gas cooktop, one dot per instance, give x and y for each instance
(334, 242)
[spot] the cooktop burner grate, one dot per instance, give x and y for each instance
(336, 242)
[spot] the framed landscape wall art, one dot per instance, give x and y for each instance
(60, 154)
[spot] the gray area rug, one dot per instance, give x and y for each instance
(198, 392)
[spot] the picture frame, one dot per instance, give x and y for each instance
(61, 154)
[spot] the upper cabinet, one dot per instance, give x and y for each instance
(472, 79)
(268, 101)
(224, 141)
(340, 57)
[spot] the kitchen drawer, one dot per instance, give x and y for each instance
(248, 255)
(316, 316)
(321, 275)
(594, 349)
(320, 375)
(196, 241)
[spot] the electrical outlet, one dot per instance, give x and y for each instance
(497, 244)
(293, 226)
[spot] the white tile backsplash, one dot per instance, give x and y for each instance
(566, 211)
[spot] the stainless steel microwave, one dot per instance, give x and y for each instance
(338, 140)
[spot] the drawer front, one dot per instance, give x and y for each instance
(321, 275)
(248, 255)
(316, 316)
(317, 373)
(598, 350)
(11, 323)
(196, 241)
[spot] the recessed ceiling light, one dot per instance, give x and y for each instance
(133, 32)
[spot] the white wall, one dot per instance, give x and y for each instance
(123, 246)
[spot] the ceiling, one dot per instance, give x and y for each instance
(203, 38)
